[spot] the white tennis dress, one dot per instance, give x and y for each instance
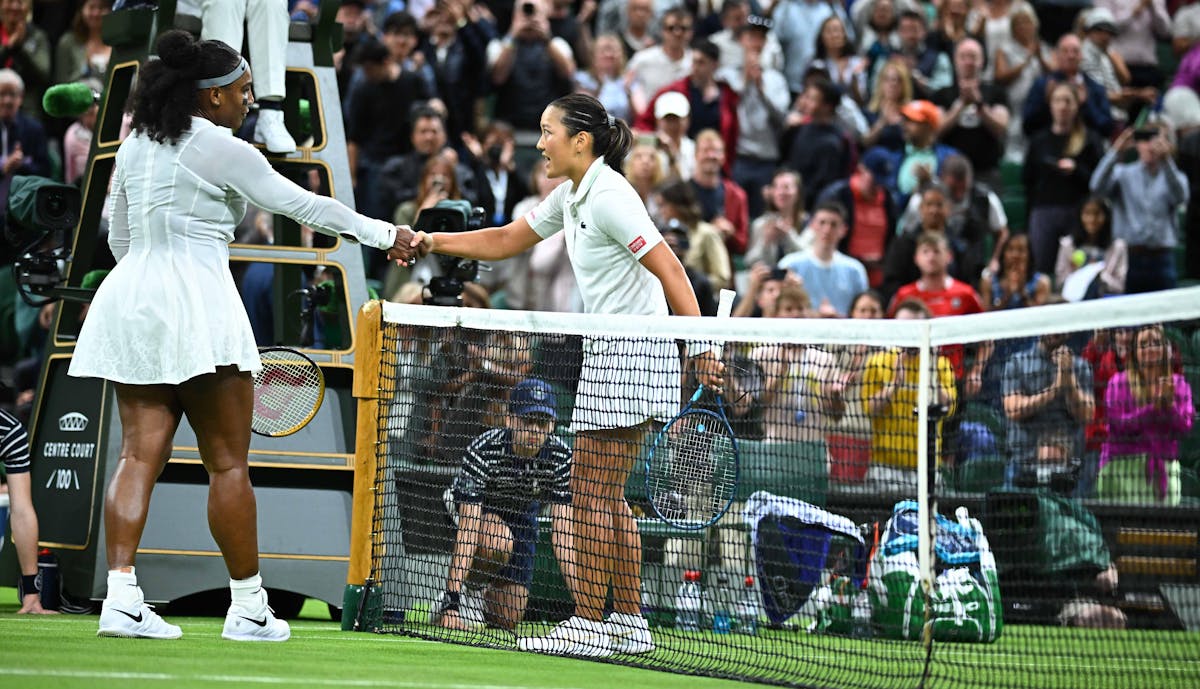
(170, 311)
(623, 382)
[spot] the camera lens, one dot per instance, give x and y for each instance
(528, 9)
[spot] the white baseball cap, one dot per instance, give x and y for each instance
(672, 103)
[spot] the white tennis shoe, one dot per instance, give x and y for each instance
(576, 636)
(630, 634)
(255, 623)
(132, 618)
(271, 132)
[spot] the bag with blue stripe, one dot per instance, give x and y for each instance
(966, 597)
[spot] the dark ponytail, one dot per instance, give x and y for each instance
(611, 136)
(165, 98)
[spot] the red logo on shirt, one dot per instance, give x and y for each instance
(637, 244)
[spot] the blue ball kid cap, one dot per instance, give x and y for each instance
(532, 396)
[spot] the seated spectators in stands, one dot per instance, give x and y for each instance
(1058, 169)
(605, 77)
(819, 150)
(646, 170)
(1147, 194)
(377, 122)
(762, 290)
(1149, 409)
(797, 25)
(672, 117)
(707, 254)
(77, 142)
(506, 474)
(25, 149)
(653, 67)
(915, 164)
(762, 108)
(976, 114)
(1094, 105)
(722, 202)
(950, 25)
(1018, 283)
(893, 90)
(831, 278)
(795, 405)
(541, 279)
(1106, 65)
(438, 183)
(456, 50)
(1019, 63)
(889, 397)
(712, 103)
(899, 267)
(1048, 398)
(495, 158)
(849, 438)
(400, 175)
(875, 24)
(735, 24)
(835, 56)
(928, 64)
(81, 53)
(870, 213)
(975, 214)
(778, 232)
(25, 49)
(528, 68)
(1140, 27)
(1092, 243)
(631, 20)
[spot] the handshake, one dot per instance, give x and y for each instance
(409, 245)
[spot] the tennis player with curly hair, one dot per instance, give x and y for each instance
(168, 328)
(622, 267)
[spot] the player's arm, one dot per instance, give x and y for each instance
(488, 244)
(469, 521)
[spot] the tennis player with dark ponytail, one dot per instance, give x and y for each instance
(622, 267)
(168, 328)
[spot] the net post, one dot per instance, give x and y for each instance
(926, 366)
(368, 392)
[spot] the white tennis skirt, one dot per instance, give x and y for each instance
(626, 382)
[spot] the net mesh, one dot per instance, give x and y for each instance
(1060, 461)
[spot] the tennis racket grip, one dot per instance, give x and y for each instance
(724, 308)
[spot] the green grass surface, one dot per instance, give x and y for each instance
(63, 652)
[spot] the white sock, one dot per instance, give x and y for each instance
(247, 592)
(122, 586)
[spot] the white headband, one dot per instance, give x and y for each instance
(225, 79)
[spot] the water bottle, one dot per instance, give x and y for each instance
(47, 580)
(860, 616)
(721, 619)
(688, 603)
(648, 606)
(747, 610)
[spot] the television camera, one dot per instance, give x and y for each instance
(41, 217)
(450, 216)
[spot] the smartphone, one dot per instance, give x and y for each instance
(1144, 134)
(779, 273)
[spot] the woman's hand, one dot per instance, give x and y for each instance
(422, 244)
(402, 247)
(709, 370)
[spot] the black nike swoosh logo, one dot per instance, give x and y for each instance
(261, 623)
(137, 618)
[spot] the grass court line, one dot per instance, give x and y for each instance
(240, 679)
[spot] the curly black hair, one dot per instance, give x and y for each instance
(165, 97)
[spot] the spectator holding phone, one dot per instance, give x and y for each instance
(1146, 194)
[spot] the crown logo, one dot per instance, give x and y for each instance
(72, 421)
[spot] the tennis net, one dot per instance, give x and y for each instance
(1003, 500)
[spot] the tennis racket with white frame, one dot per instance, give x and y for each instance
(288, 391)
(692, 469)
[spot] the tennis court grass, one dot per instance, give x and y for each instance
(63, 652)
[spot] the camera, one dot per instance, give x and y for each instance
(1144, 133)
(528, 9)
(779, 274)
(450, 216)
(38, 225)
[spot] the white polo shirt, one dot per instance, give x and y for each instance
(608, 232)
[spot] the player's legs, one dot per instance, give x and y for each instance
(607, 546)
(493, 548)
(149, 416)
(218, 407)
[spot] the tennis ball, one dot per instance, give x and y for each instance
(1079, 258)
